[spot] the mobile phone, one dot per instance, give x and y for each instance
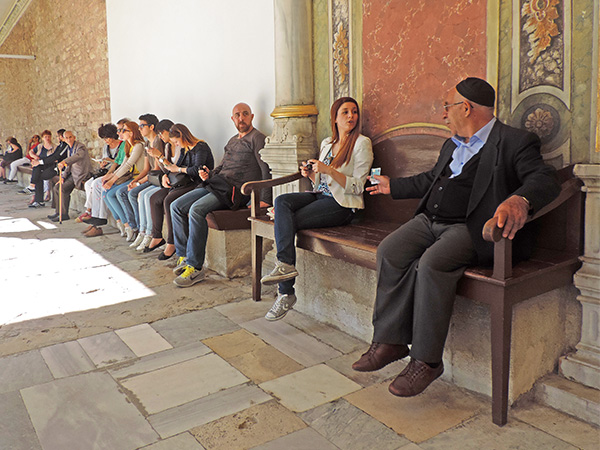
(375, 171)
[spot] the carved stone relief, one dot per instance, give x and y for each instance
(339, 33)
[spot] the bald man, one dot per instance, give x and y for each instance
(487, 169)
(77, 169)
(221, 189)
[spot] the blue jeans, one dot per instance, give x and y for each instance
(298, 211)
(123, 199)
(132, 196)
(110, 198)
(190, 228)
(144, 209)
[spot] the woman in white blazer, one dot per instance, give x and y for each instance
(338, 178)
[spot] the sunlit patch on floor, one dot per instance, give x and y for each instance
(56, 276)
(46, 225)
(10, 225)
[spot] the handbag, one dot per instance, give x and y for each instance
(177, 180)
(100, 173)
(226, 192)
(154, 177)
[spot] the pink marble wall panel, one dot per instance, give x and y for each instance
(413, 52)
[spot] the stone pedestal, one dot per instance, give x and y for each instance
(584, 365)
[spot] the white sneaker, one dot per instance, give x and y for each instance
(190, 276)
(138, 240)
(121, 227)
(145, 242)
(281, 307)
(281, 272)
(130, 234)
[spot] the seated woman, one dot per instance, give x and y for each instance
(194, 155)
(13, 152)
(108, 133)
(120, 177)
(169, 156)
(44, 168)
(338, 177)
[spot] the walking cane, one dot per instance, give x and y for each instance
(60, 183)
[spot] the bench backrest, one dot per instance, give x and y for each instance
(400, 156)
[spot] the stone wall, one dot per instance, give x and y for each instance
(66, 86)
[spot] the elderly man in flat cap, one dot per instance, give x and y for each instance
(486, 169)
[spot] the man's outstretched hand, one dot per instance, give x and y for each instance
(512, 214)
(382, 188)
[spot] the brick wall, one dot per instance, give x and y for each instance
(67, 85)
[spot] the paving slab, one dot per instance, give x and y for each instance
(16, 430)
(85, 412)
(576, 432)
(306, 439)
(143, 340)
(480, 433)
(343, 365)
(424, 416)
(106, 349)
(303, 390)
(182, 383)
(23, 370)
(184, 441)
(253, 426)
(245, 310)
(349, 428)
(204, 410)
(194, 326)
(299, 346)
(234, 344)
(331, 336)
(159, 360)
(264, 364)
(67, 359)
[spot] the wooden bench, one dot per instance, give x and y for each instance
(555, 259)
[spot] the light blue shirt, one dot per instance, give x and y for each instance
(464, 151)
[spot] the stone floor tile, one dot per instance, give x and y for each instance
(303, 390)
(343, 365)
(25, 369)
(16, 430)
(306, 439)
(296, 344)
(159, 360)
(481, 433)
(234, 344)
(194, 326)
(248, 428)
(85, 412)
(67, 359)
(576, 432)
(106, 349)
(181, 383)
(244, 311)
(333, 337)
(419, 418)
(411, 446)
(184, 441)
(351, 429)
(204, 410)
(143, 340)
(264, 364)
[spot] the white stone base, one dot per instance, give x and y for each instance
(544, 327)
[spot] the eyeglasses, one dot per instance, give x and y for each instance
(142, 125)
(120, 130)
(125, 130)
(447, 106)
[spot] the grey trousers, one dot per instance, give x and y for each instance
(418, 268)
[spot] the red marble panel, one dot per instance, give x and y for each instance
(413, 52)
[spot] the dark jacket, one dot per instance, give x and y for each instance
(195, 158)
(510, 164)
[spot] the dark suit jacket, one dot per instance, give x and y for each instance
(510, 164)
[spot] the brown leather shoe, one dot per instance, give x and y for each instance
(415, 378)
(380, 355)
(95, 231)
(87, 229)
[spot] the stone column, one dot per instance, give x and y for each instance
(294, 125)
(584, 365)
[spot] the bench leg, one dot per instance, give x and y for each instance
(257, 257)
(501, 318)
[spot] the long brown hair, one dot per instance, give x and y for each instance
(136, 136)
(182, 132)
(345, 152)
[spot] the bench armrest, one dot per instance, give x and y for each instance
(503, 246)
(254, 187)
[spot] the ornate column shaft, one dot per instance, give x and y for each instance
(294, 128)
(584, 365)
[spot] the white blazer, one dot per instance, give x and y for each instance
(356, 171)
